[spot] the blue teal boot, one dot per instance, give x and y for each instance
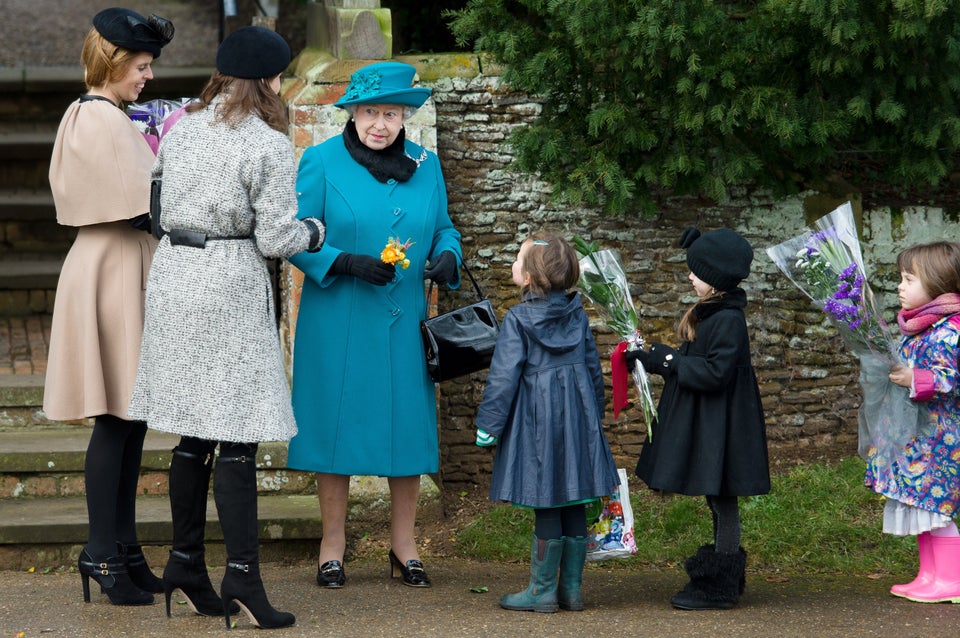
(571, 573)
(541, 593)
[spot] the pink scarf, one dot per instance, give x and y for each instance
(919, 319)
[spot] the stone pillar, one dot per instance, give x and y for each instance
(357, 29)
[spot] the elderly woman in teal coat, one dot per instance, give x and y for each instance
(362, 398)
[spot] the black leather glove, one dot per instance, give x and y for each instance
(140, 222)
(442, 269)
(661, 359)
(365, 267)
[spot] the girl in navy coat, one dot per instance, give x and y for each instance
(710, 436)
(543, 405)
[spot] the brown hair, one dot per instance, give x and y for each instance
(936, 264)
(103, 61)
(242, 97)
(551, 264)
(687, 328)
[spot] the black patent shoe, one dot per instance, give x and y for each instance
(331, 575)
(412, 572)
(112, 576)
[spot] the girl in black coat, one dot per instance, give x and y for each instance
(710, 435)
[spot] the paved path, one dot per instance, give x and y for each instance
(621, 603)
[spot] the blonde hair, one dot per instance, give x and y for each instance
(103, 61)
(243, 96)
(687, 328)
(551, 264)
(936, 265)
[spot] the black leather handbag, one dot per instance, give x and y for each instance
(460, 341)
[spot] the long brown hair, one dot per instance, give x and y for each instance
(103, 61)
(242, 97)
(687, 328)
(551, 264)
(936, 265)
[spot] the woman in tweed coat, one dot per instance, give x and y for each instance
(210, 365)
(100, 178)
(363, 400)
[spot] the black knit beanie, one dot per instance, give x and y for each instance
(720, 258)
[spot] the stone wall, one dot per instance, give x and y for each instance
(808, 380)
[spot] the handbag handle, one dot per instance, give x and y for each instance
(476, 286)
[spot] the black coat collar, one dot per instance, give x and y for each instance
(390, 163)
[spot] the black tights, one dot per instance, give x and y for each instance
(111, 471)
(726, 523)
(555, 522)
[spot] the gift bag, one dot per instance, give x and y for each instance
(610, 524)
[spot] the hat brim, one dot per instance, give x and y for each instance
(414, 97)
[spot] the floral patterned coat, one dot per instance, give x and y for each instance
(927, 475)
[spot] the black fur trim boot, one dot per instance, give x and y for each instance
(716, 580)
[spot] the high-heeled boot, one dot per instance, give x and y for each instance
(111, 574)
(138, 570)
(187, 569)
(235, 492)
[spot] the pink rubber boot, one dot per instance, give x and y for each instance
(925, 574)
(945, 586)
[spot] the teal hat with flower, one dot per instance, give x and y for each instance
(384, 83)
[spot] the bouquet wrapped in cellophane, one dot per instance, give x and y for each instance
(604, 282)
(826, 264)
(154, 118)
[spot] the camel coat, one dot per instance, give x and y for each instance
(100, 177)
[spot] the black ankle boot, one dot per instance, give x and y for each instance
(188, 573)
(235, 492)
(138, 570)
(242, 584)
(112, 576)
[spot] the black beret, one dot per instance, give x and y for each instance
(252, 53)
(130, 30)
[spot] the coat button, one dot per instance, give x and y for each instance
(395, 312)
(391, 181)
(396, 211)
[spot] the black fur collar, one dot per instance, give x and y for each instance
(390, 163)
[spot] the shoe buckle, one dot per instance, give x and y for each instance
(104, 569)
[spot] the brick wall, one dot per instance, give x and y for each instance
(808, 381)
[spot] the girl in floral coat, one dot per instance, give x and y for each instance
(922, 485)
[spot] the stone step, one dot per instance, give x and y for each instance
(47, 533)
(30, 206)
(30, 274)
(49, 462)
(21, 395)
(26, 145)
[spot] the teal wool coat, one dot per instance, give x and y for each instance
(362, 398)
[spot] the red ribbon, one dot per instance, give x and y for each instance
(618, 374)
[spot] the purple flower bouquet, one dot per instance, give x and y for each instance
(826, 264)
(155, 118)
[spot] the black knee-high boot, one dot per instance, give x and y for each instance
(187, 568)
(235, 492)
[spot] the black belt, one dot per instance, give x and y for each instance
(181, 237)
